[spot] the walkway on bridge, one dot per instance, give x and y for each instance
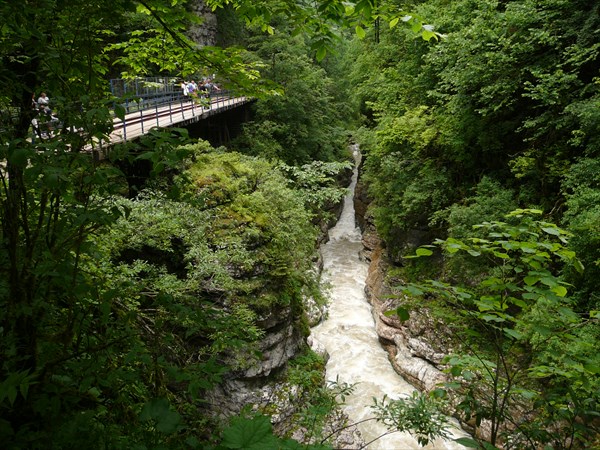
(180, 112)
(159, 102)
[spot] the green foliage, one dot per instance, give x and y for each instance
(582, 190)
(158, 413)
(520, 318)
(508, 94)
(165, 303)
(418, 414)
(259, 226)
(305, 123)
(318, 182)
(413, 192)
(490, 201)
(324, 21)
(320, 400)
(255, 433)
(307, 371)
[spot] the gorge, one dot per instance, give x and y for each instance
(349, 336)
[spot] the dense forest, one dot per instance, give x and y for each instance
(127, 302)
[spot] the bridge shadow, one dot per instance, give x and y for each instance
(220, 129)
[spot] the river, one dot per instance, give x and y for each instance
(348, 335)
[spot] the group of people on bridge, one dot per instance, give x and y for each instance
(199, 93)
(44, 121)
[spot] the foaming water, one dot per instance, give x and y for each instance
(348, 334)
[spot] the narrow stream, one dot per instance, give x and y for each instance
(349, 336)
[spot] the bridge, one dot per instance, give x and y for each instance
(160, 102)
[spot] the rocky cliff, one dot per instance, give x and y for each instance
(204, 33)
(262, 385)
(417, 346)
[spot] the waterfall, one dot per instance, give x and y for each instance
(348, 335)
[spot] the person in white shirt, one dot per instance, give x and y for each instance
(44, 103)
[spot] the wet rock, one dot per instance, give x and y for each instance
(317, 347)
(415, 369)
(409, 343)
(315, 313)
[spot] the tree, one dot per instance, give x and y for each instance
(519, 317)
(303, 124)
(323, 20)
(57, 323)
(509, 94)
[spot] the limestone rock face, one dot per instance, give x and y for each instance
(204, 33)
(277, 347)
(417, 346)
(257, 383)
(315, 313)
(282, 340)
(254, 384)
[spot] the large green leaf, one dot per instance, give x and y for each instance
(251, 434)
(423, 252)
(158, 409)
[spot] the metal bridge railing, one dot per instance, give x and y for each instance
(147, 93)
(161, 102)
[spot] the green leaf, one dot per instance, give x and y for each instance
(578, 266)
(551, 282)
(360, 32)
(394, 22)
(168, 422)
(467, 442)
(321, 53)
(255, 433)
(413, 290)
(491, 318)
(19, 157)
(552, 230)
(427, 35)
(402, 314)
(512, 333)
(518, 302)
(158, 410)
(439, 393)
(531, 280)
(120, 111)
(456, 371)
(423, 252)
(592, 368)
(561, 291)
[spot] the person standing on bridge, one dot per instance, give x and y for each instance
(204, 93)
(193, 91)
(44, 104)
(192, 88)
